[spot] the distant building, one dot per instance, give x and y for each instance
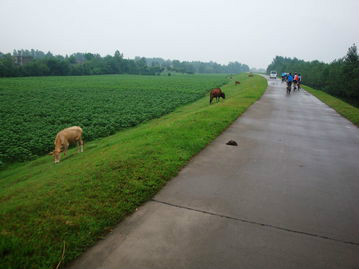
(21, 60)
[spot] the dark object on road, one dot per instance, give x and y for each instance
(232, 143)
(289, 87)
(216, 93)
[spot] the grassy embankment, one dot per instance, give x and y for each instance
(43, 206)
(346, 110)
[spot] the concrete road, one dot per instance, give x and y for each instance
(286, 197)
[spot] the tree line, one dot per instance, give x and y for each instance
(37, 63)
(339, 78)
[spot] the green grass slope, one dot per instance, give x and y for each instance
(44, 206)
(346, 110)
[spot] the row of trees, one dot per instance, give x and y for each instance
(37, 63)
(197, 67)
(339, 78)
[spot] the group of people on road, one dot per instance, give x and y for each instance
(290, 79)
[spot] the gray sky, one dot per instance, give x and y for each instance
(249, 31)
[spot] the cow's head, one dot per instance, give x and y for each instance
(56, 154)
(223, 95)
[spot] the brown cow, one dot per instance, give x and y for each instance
(64, 138)
(237, 83)
(216, 93)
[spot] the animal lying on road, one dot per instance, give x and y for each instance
(237, 83)
(216, 93)
(64, 138)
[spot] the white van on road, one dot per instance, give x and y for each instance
(273, 74)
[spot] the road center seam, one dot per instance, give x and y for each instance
(258, 223)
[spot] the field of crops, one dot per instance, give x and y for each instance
(33, 110)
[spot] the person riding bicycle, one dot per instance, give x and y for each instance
(299, 80)
(289, 79)
(295, 80)
(289, 82)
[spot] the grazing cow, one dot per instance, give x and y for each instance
(237, 83)
(216, 93)
(250, 75)
(64, 138)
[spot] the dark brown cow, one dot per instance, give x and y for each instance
(216, 93)
(237, 83)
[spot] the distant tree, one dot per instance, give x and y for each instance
(141, 66)
(36, 68)
(7, 66)
(118, 55)
(351, 72)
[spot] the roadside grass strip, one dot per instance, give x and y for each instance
(346, 110)
(50, 211)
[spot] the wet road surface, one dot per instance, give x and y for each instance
(286, 197)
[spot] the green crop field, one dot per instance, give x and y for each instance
(51, 213)
(33, 110)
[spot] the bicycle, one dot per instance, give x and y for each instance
(289, 87)
(294, 85)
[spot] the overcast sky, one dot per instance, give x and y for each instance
(249, 31)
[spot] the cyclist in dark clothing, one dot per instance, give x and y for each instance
(299, 81)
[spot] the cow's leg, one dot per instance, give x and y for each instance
(81, 145)
(66, 146)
